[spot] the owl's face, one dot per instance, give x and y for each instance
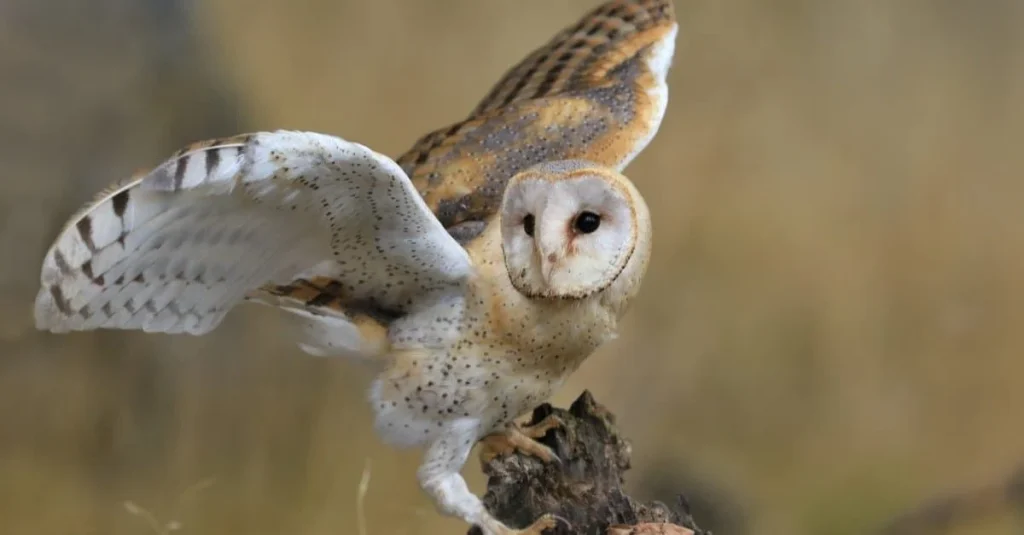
(572, 229)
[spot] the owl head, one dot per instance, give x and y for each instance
(574, 229)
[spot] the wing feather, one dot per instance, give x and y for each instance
(596, 91)
(173, 250)
(582, 54)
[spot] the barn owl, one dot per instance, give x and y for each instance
(474, 273)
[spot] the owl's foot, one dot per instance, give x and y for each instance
(545, 522)
(522, 439)
(439, 476)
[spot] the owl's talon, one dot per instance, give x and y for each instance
(545, 522)
(541, 428)
(564, 521)
(523, 439)
(509, 442)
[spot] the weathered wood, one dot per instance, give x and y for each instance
(585, 488)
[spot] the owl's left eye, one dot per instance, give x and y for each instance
(587, 222)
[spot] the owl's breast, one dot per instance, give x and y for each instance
(480, 379)
(488, 357)
(500, 365)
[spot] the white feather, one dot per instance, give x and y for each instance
(658, 60)
(175, 250)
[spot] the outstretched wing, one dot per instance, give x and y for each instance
(175, 249)
(597, 91)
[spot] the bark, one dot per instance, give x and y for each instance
(585, 488)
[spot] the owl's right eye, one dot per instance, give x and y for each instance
(528, 225)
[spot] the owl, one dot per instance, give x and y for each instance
(473, 273)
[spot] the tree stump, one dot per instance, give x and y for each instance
(585, 488)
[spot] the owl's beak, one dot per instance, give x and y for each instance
(545, 269)
(549, 244)
(549, 260)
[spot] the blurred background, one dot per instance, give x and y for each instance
(830, 334)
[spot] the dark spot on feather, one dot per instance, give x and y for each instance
(62, 263)
(84, 227)
(212, 159)
(120, 202)
(549, 80)
(179, 172)
(452, 130)
(58, 299)
(524, 80)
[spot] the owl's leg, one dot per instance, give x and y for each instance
(520, 438)
(440, 478)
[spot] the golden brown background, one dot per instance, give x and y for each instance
(831, 332)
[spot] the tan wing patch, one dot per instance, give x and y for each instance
(582, 54)
(596, 92)
(316, 292)
(323, 299)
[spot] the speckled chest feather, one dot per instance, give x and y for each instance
(490, 357)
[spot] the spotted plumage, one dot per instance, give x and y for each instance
(474, 274)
